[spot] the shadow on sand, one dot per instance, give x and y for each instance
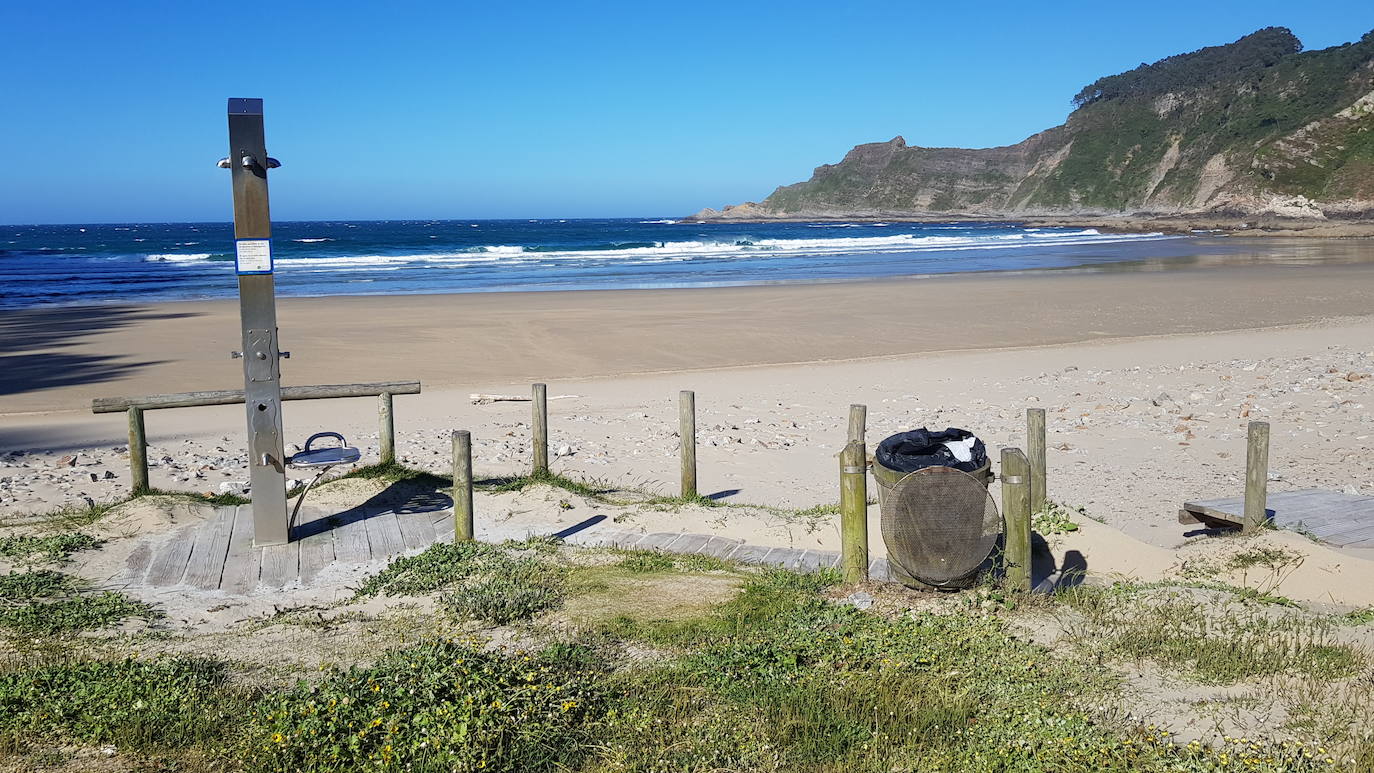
(413, 497)
(26, 333)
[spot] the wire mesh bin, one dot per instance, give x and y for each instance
(939, 521)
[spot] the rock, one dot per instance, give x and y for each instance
(233, 487)
(564, 450)
(859, 600)
(109, 475)
(67, 461)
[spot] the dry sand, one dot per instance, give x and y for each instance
(1148, 378)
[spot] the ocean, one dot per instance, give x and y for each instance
(136, 263)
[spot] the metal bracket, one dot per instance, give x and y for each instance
(248, 162)
(262, 356)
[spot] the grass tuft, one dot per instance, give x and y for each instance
(54, 547)
(1218, 642)
(37, 584)
(74, 615)
(498, 584)
(438, 705)
(134, 704)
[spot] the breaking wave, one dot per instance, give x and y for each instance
(178, 257)
(689, 250)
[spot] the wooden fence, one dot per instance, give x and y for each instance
(136, 406)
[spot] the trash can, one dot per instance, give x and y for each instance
(942, 527)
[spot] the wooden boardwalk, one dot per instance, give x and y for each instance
(218, 553)
(1343, 520)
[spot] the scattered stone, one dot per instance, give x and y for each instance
(859, 600)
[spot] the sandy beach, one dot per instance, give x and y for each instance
(1149, 379)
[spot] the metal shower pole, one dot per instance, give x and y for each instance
(248, 163)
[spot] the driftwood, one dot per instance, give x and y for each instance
(482, 399)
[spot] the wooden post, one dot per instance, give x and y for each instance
(138, 452)
(540, 400)
(1016, 514)
(387, 435)
(687, 431)
(1256, 476)
(858, 422)
(1035, 453)
(462, 486)
(854, 511)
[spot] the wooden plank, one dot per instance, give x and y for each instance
(351, 544)
(1236, 504)
(1331, 516)
(206, 564)
(280, 564)
(417, 530)
(169, 561)
(1232, 508)
(443, 529)
(235, 396)
(242, 562)
(384, 534)
(136, 565)
(1348, 536)
(317, 552)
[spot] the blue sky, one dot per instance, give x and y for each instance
(114, 111)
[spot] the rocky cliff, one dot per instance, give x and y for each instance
(1255, 127)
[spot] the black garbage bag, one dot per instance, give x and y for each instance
(921, 448)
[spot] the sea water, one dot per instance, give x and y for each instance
(112, 263)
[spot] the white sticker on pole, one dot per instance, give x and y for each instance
(253, 256)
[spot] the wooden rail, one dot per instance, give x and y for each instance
(135, 406)
(235, 396)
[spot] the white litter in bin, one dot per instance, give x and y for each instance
(962, 449)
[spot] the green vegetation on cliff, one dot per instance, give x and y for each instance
(1254, 126)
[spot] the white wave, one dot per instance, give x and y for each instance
(1084, 232)
(513, 254)
(177, 257)
(658, 222)
(312, 241)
